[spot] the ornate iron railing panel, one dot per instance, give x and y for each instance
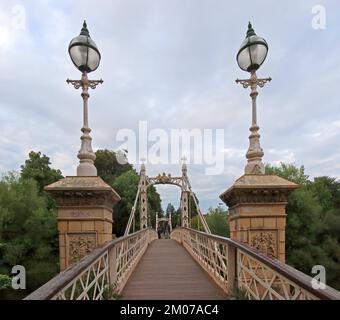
(260, 282)
(106, 267)
(233, 264)
(89, 284)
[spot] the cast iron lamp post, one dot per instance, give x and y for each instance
(86, 57)
(250, 57)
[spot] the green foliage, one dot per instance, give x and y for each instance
(124, 179)
(110, 294)
(126, 185)
(176, 218)
(5, 282)
(239, 294)
(154, 201)
(217, 220)
(290, 172)
(28, 232)
(108, 166)
(313, 222)
(37, 167)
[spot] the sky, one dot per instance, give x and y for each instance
(172, 63)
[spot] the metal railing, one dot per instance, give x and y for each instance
(236, 266)
(105, 269)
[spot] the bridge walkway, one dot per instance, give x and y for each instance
(168, 272)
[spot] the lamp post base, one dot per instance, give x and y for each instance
(86, 169)
(254, 167)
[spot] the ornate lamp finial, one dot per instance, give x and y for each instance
(250, 31)
(84, 31)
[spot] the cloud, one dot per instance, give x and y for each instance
(171, 63)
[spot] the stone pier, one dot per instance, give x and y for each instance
(257, 212)
(85, 207)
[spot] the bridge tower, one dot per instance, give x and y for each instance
(184, 197)
(143, 214)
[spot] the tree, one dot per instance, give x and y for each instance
(5, 282)
(216, 219)
(37, 167)
(108, 166)
(126, 185)
(313, 222)
(290, 172)
(154, 205)
(114, 169)
(28, 233)
(176, 218)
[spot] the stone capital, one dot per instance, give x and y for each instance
(257, 189)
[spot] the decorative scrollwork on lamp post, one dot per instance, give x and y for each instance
(250, 57)
(86, 57)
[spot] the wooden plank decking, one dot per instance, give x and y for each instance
(168, 272)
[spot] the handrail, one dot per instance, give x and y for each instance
(98, 263)
(271, 265)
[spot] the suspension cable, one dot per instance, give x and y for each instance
(200, 215)
(133, 210)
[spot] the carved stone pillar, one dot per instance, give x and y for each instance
(257, 212)
(84, 215)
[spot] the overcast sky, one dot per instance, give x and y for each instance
(172, 63)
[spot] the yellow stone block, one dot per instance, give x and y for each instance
(282, 248)
(62, 240)
(62, 264)
(87, 226)
(282, 236)
(108, 227)
(270, 222)
(101, 238)
(245, 224)
(99, 226)
(257, 222)
(281, 223)
(62, 226)
(244, 236)
(74, 226)
(62, 252)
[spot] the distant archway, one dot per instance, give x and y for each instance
(180, 181)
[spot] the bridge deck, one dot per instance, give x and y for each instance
(168, 272)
